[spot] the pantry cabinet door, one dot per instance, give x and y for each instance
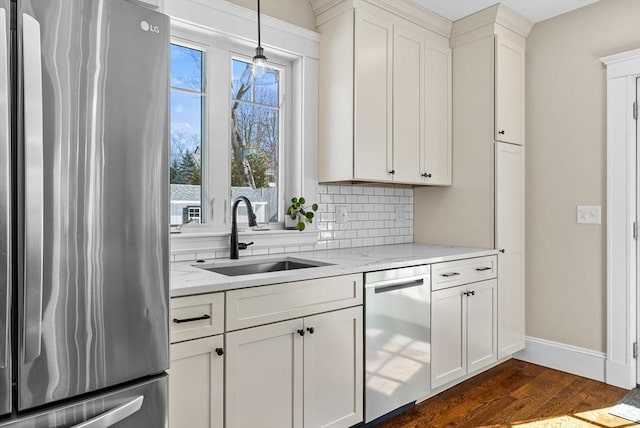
(509, 84)
(510, 218)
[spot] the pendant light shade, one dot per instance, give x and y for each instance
(259, 60)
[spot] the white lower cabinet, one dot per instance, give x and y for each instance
(304, 372)
(196, 383)
(463, 330)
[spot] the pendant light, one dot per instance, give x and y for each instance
(259, 60)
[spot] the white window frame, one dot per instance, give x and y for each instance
(216, 130)
(220, 25)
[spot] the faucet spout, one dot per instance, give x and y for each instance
(234, 249)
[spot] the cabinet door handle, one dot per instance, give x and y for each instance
(220, 351)
(301, 332)
(501, 132)
(450, 274)
(393, 171)
(180, 321)
(482, 269)
(311, 330)
(473, 293)
(502, 250)
(426, 175)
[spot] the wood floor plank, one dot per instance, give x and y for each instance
(519, 395)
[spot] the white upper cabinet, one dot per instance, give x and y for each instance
(373, 102)
(408, 103)
(385, 93)
(509, 84)
(435, 153)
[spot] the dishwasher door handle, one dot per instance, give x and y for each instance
(398, 286)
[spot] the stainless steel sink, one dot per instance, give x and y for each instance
(262, 266)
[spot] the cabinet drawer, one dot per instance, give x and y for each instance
(450, 274)
(196, 316)
(261, 305)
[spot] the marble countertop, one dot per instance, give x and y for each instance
(187, 279)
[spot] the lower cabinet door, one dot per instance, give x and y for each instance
(264, 376)
(448, 335)
(196, 383)
(482, 343)
(333, 369)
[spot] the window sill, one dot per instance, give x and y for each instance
(188, 246)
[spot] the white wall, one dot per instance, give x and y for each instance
(565, 143)
(297, 12)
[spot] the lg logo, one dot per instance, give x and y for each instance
(148, 27)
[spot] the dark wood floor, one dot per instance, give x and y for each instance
(518, 394)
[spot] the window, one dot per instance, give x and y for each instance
(187, 109)
(255, 137)
(227, 136)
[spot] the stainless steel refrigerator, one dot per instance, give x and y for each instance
(83, 214)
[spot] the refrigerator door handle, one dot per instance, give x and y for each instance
(33, 187)
(5, 193)
(113, 416)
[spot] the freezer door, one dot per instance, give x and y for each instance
(93, 190)
(5, 213)
(143, 405)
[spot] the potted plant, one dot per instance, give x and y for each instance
(297, 211)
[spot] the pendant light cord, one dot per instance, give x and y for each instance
(259, 45)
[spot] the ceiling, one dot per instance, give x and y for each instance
(534, 10)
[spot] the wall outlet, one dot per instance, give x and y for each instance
(588, 214)
(342, 215)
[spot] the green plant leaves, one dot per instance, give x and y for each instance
(297, 211)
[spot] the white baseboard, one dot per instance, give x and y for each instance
(563, 357)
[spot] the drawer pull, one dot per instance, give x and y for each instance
(482, 269)
(180, 321)
(450, 274)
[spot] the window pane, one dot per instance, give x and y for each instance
(255, 142)
(241, 80)
(186, 120)
(267, 88)
(186, 68)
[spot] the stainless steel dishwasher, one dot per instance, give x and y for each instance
(397, 339)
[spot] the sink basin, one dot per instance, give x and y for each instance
(262, 266)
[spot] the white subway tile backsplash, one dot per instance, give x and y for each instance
(376, 215)
(371, 213)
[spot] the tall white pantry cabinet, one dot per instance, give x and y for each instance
(484, 207)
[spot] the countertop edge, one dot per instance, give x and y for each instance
(188, 280)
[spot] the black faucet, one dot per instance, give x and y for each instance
(235, 245)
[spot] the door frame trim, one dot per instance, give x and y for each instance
(622, 198)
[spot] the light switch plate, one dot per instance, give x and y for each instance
(588, 214)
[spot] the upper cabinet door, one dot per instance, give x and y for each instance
(408, 103)
(435, 156)
(373, 115)
(509, 122)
